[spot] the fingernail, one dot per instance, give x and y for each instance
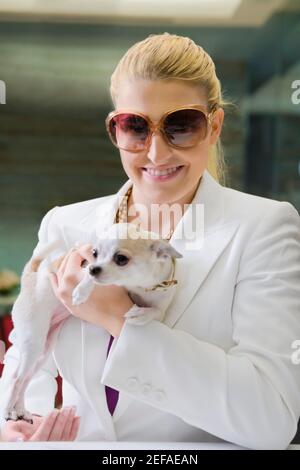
(18, 439)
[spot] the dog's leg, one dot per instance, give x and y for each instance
(14, 407)
(29, 335)
(83, 290)
(33, 362)
(31, 315)
(58, 319)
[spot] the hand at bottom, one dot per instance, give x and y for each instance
(59, 425)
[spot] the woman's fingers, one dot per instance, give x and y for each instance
(86, 251)
(44, 430)
(68, 425)
(56, 264)
(61, 270)
(57, 271)
(69, 271)
(73, 260)
(73, 264)
(74, 429)
(61, 421)
(59, 425)
(54, 282)
(70, 414)
(13, 431)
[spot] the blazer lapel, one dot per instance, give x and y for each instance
(194, 267)
(211, 235)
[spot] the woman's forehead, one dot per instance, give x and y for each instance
(155, 97)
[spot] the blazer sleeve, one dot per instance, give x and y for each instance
(40, 394)
(250, 394)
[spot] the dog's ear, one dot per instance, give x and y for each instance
(163, 249)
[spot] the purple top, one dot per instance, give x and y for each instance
(112, 395)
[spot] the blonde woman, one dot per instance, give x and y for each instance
(218, 368)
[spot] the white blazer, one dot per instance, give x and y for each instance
(220, 365)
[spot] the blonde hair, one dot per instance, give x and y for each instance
(168, 56)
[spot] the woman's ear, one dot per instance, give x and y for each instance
(216, 125)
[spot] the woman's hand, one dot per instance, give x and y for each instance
(105, 306)
(59, 425)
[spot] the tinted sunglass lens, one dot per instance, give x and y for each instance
(185, 127)
(129, 131)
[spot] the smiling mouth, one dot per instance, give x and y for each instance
(167, 171)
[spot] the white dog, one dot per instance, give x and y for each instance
(125, 256)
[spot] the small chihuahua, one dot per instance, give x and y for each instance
(126, 256)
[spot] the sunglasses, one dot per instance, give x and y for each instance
(181, 128)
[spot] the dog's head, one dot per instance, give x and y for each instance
(128, 256)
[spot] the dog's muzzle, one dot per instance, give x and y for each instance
(95, 270)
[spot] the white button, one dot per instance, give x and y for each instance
(159, 396)
(132, 383)
(146, 389)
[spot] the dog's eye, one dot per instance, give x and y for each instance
(95, 253)
(120, 260)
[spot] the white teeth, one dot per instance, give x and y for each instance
(161, 173)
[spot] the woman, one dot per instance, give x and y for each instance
(219, 367)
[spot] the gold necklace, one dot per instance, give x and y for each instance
(122, 213)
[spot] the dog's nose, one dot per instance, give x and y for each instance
(95, 270)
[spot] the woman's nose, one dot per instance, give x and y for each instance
(159, 151)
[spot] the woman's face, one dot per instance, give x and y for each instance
(154, 98)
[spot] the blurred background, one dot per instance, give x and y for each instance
(56, 58)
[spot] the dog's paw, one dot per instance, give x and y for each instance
(143, 315)
(23, 414)
(139, 321)
(10, 415)
(16, 415)
(26, 416)
(78, 297)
